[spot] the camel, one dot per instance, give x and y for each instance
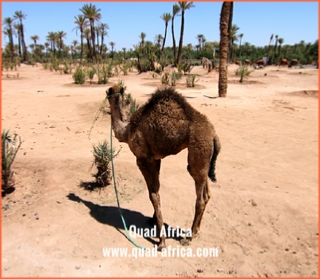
(164, 126)
(284, 62)
(294, 62)
(206, 63)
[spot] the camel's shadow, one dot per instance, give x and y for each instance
(110, 215)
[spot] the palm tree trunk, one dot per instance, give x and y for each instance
(173, 42)
(81, 42)
(164, 39)
(93, 49)
(19, 42)
(181, 38)
(224, 47)
(102, 39)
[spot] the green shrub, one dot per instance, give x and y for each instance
(165, 79)
(191, 79)
(10, 148)
(66, 67)
(242, 71)
(125, 68)
(174, 77)
(158, 70)
(91, 72)
(103, 73)
(79, 76)
(102, 156)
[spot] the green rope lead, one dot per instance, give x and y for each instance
(115, 189)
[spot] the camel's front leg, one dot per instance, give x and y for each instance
(150, 169)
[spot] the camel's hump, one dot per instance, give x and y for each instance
(167, 94)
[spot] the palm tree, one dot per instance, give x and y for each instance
(142, 36)
(97, 32)
(17, 27)
(274, 54)
(103, 32)
(46, 45)
(60, 36)
(280, 40)
(233, 37)
(92, 14)
(158, 40)
(225, 28)
(52, 38)
(175, 11)
(34, 38)
(8, 21)
(240, 37)
(270, 42)
(81, 23)
(166, 17)
(20, 16)
(203, 41)
(183, 6)
(124, 52)
(87, 35)
(74, 44)
(199, 38)
(112, 44)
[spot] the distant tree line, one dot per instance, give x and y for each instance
(92, 47)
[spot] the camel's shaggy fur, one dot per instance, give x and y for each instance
(165, 125)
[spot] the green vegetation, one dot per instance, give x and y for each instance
(243, 71)
(10, 148)
(79, 76)
(191, 80)
(102, 156)
(149, 54)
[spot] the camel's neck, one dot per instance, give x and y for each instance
(118, 125)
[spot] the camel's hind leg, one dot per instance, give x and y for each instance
(150, 169)
(198, 166)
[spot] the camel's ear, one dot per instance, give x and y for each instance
(110, 91)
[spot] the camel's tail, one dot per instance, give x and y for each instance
(216, 150)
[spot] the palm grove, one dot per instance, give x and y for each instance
(92, 46)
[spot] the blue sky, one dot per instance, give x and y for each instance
(292, 21)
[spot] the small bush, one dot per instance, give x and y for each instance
(10, 148)
(191, 80)
(103, 73)
(154, 75)
(79, 76)
(125, 68)
(158, 70)
(67, 68)
(174, 77)
(120, 83)
(91, 72)
(187, 67)
(242, 71)
(165, 79)
(103, 154)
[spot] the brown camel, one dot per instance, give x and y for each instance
(164, 126)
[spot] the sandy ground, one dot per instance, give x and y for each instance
(262, 215)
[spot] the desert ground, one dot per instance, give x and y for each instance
(263, 212)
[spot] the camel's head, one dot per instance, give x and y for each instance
(115, 90)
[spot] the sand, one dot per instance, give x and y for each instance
(262, 217)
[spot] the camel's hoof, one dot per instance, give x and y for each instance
(185, 241)
(161, 247)
(194, 235)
